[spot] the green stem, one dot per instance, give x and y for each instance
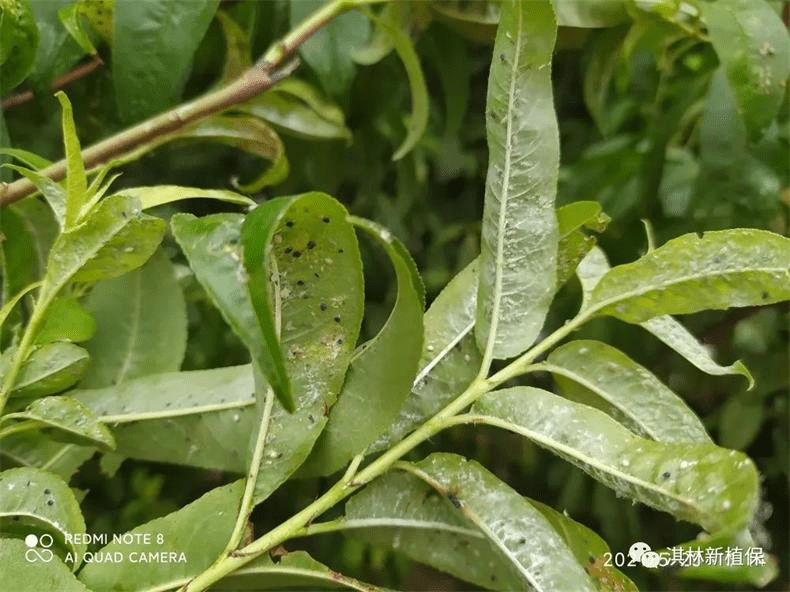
(22, 352)
(296, 525)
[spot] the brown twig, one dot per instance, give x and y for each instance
(59, 83)
(253, 82)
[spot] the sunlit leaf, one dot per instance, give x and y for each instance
(157, 195)
(66, 320)
(21, 575)
(18, 42)
(50, 369)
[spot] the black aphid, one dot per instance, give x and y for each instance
(325, 220)
(289, 223)
(323, 306)
(666, 475)
(300, 282)
(454, 500)
(337, 319)
(297, 254)
(311, 245)
(288, 249)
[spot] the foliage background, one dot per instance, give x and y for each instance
(645, 130)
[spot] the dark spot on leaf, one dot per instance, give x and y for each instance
(46, 491)
(316, 275)
(297, 254)
(300, 282)
(289, 223)
(50, 503)
(591, 558)
(323, 306)
(288, 250)
(16, 518)
(325, 220)
(765, 295)
(666, 475)
(339, 342)
(454, 500)
(337, 319)
(502, 58)
(311, 418)
(522, 541)
(311, 245)
(493, 578)
(340, 251)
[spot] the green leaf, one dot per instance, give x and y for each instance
(50, 369)
(297, 108)
(476, 22)
(381, 374)
(52, 192)
(23, 575)
(18, 42)
(67, 420)
(601, 376)
(590, 13)
(450, 359)
(519, 234)
(71, 17)
(39, 222)
(419, 90)
(200, 418)
(190, 538)
(574, 244)
(142, 324)
(328, 51)
(589, 549)
(315, 254)
(697, 482)
(66, 320)
(753, 45)
(115, 239)
(245, 133)
(157, 195)
(595, 265)
(76, 181)
(296, 570)
(30, 159)
(519, 532)
(690, 273)
(402, 512)
(676, 336)
(33, 449)
(153, 43)
(33, 501)
(57, 52)
(237, 49)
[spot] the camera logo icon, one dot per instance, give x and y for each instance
(38, 548)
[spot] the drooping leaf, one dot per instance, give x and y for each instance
(754, 46)
(37, 502)
(676, 336)
(595, 265)
(328, 51)
(602, 376)
(245, 133)
(574, 244)
(157, 195)
(66, 320)
(295, 107)
(27, 569)
(519, 233)
(52, 192)
(99, 13)
(400, 511)
(293, 570)
(450, 359)
(71, 18)
(67, 420)
(115, 239)
(191, 539)
(381, 374)
(153, 43)
(309, 243)
(142, 325)
(418, 120)
(30, 159)
(741, 267)
(536, 556)
(18, 42)
(238, 52)
(698, 482)
(49, 369)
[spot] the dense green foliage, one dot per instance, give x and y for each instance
(358, 291)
